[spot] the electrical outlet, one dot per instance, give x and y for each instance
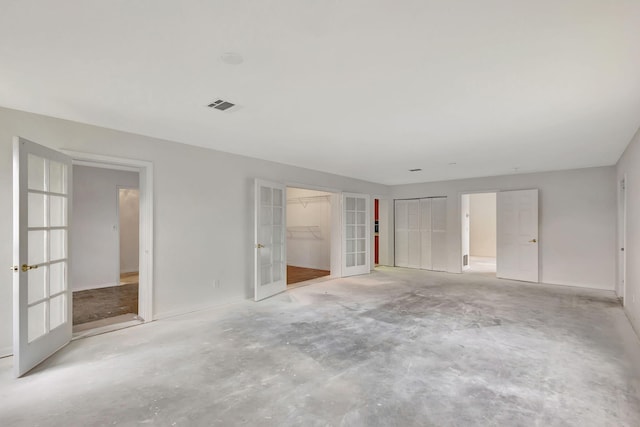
(216, 283)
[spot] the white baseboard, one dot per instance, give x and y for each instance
(104, 285)
(6, 351)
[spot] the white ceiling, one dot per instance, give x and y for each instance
(362, 88)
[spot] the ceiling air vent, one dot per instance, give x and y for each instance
(221, 105)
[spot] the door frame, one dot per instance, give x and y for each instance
(145, 170)
(468, 193)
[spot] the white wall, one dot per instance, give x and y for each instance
(204, 209)
(304, 248)
(94, 235)
(482, 224)
(129, 216)
(577, 221)
(629, 166)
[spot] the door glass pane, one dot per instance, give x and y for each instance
(57, 313)
(37, 286)
(351, 204)
(351, 260)
(265, 195)
(351, 218)
(360, 204)
(277, 197)
(351, 231)
(36, 247)
(265, 235)
(57, 177)
(57, 211)
(351, 246)
(362, 231)
(266, 215)
(277, 271)
(36, 169)
(277, 235)
(277, 253)
(265, 274)
(277, 216)
(361, 245)
(361, 217)
(36, 209)
(57, 282)
(58, 249)
(361, 259)
(265, 256)
(36, 321)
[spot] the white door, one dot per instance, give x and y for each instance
(356, 234)
(517, 254)
(425, 235)
(42, 295)
(402, 233)
(270, 241)
(622, 239)
(439, 234)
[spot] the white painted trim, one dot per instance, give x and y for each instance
(6, 351)
(145, 168)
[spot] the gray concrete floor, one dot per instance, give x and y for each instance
(396, 348)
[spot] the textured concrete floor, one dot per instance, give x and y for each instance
(395, 348)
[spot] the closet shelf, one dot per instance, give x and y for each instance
(313, 230)
(304, 201)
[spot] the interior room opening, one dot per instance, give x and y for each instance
(479, 233)
(308, 234)
(105, 247)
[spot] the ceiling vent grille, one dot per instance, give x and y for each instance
(221, 105)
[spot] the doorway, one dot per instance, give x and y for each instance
(105, 247)
(308, 225)
(479, 232)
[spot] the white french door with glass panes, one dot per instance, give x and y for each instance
(356, 234)
(42, 295)
(270, 239)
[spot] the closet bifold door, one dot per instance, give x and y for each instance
(439, 233)
(425, 234)
(413, 220)
(402, 233)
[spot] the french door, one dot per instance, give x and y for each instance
(270, 239)
(41, 221)
(356, 240)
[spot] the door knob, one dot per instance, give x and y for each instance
(259, 246)
(26, 267)
(533, 241)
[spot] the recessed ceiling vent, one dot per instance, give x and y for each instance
(221, 105)
(415, 170)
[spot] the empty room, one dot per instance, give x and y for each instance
(311, 213)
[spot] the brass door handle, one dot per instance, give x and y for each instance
(26, 267)
(533, 241)
(259, 246)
